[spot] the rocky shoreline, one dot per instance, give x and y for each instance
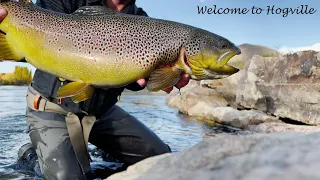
(276, 98)
(282, 92)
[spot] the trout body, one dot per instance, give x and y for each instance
(110, 49)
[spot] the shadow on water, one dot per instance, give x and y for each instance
(175, 129)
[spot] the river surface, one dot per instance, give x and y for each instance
(175, 129)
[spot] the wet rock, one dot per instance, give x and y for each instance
(225, 88)
(211, 104)
(231, 116)
(192, 94)
(286, 86)
(285, 156)
(271, 127)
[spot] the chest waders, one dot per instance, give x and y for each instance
(78, 129)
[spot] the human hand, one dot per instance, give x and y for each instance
(3, 14)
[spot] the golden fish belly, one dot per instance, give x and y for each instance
(95, 69)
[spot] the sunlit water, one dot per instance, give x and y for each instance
(176, 130)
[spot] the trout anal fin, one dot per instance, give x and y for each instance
(163, 78)
(78, 91)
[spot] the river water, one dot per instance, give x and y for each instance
(175, 129)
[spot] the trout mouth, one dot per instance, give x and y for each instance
(219, 68)
(209, 74)
(225, 57)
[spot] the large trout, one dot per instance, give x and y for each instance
(98, 47)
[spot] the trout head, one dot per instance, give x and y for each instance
(207, 55)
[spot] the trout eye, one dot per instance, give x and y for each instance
(223, 44)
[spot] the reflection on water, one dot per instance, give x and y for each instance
(12, 127)
(175, 129)
(172, 129)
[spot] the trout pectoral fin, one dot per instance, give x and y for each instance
(78, 91)
(163, 78)
(6, 51)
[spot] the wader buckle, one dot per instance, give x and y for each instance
(59, 101)
(36, 102)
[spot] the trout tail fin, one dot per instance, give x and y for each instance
(6, 51)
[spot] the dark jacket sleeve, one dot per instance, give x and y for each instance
(134, 87)
(63, 6)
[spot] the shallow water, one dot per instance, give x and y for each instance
(175, 129)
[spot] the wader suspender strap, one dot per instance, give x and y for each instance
(79, 131)
(78, 139)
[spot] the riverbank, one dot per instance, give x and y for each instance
(270, 94)
(21, 76)
(274, 100)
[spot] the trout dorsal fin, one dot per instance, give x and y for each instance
(94, 11)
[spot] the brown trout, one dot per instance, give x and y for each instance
(98, 47)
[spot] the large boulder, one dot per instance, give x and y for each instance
(286, 86)
(248, 51)
(192, 94)
(285, 156)
(215, 105)
(271, 127)
(266, 90)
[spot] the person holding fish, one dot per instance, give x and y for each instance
(86, 53)
(115, 131)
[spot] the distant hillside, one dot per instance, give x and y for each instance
(248, 51)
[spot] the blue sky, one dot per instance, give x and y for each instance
(269, 30)
(273, 31)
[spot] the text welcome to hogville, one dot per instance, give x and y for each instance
(268, 10)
